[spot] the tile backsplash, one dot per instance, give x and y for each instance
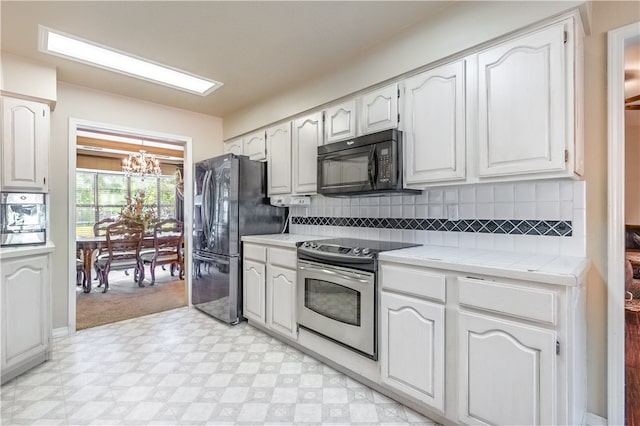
(534, 216)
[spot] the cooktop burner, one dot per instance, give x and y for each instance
(353, 248)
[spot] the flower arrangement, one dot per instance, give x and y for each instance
(136, 211)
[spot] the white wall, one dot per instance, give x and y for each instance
(81, 103)
(607, 15)
(455, 29)
(632, 168)
(22, 76)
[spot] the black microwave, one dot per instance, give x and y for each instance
(367, 165)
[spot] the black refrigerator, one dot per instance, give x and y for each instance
(230, 201)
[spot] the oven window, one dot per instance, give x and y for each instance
(333, 301)
(346, 170)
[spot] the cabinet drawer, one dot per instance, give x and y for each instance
(255, 252)
(283, 257)
(510, 299)
(412, 280)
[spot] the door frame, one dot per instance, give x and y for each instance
(617, 40)
(74, 125)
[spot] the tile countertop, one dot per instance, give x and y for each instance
(283, 240)
(550, 269)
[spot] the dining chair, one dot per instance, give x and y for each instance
(124, 239)
(168, 236)
(81, 279)
(100, 228)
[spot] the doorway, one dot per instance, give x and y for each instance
(619, 41)
(179, 290)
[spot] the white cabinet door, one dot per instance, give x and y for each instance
(26, 324)
(507, 373)
(434, 126)
(281, 300)
(412, 347)
(307, 136)
(341, 121)
(233, 146)
(521, 105)
(25, 145)
(254, 289)
(379, 110)
(279, 161)
(254, 146)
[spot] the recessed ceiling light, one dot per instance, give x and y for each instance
(66, 46)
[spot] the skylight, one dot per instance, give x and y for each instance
(69, 47)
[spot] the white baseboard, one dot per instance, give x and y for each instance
(60, 332)
(595, 420)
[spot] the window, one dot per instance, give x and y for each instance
(102, 194)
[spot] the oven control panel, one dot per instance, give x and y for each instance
(337, 250)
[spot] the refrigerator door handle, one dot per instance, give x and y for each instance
(212, 208)
(205, 205)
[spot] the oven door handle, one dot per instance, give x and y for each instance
(352, 277)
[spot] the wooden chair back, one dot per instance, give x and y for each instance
(168, 236)
(100, 227)
(124, 239)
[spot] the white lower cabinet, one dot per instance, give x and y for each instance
(507, 373)
(412, 347)
(26, 314)
(483, 350)
(269, 286)
(254, 290)
(281, 300)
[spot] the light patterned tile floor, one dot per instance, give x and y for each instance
(183, 368)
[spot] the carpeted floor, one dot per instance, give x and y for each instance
(126, 300)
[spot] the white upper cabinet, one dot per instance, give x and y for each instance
(434, 126)
(25, 145)
(379, 110)
(369, 113)
(233, 146)
(307, 135)
(254, 146)
(341, 121)
(522, 104)
(279, 159)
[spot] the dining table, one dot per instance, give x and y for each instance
(86, 246)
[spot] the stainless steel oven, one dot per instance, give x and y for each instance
(337, 290)
(338, 303)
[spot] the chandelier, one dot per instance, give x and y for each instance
(141, 164)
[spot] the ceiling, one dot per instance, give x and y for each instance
(256, 49)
